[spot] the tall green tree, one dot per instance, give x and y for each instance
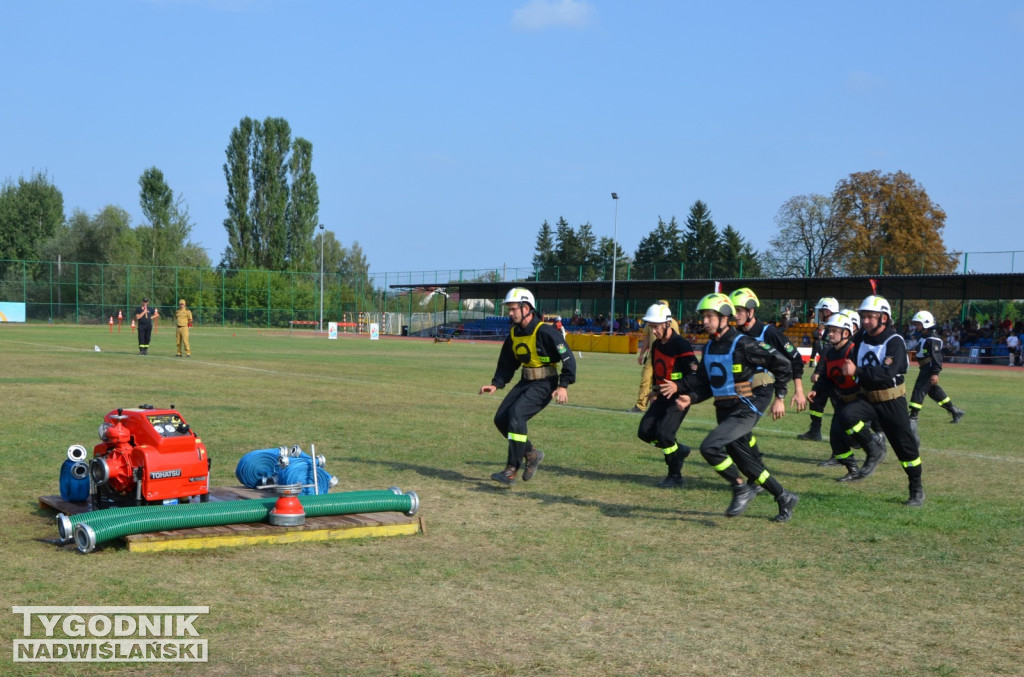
(660, 252)
(242, 241)
(891, 225)
(31, 212)
(270, 191)
(273, 198)
(303, 207)
(701, 240)
(169, 222)
(739, 259)
(157, 200)
(576, 251)
(606, 251)
(568, 251)
(810, 240)
(544, 255)
(106, 237)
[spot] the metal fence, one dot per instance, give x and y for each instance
(91, 293)
(966, 262)
(88, 293)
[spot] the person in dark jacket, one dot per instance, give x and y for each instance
(536, 347)
(880, 365)
(746, 303)
(672, 360)
(822, 311)
(729, 363)
(854, 417)
(929, 361)
(144, 316)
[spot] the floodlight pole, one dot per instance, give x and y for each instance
(615, 252)
(321, 325)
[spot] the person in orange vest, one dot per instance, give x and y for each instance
(182, 321)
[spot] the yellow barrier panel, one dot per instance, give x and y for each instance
(618, 344)
(602, 343)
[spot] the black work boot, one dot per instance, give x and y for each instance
(506, 476)
(876, 453)
(880, 438)
(916, 499)
(813, 433)
(787, 500)
(533, 459)
(674, 480)
(741, 496)
(852, 472)
(955, 412)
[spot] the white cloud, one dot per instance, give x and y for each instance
(538, 15)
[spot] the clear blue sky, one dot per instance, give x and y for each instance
(445, 133)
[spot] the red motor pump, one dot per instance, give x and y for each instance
(146, 456)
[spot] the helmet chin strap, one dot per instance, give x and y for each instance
(720, 330)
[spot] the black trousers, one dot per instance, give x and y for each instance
(660, 423)
(523, 402)
(894, 419)
(922, 387)
(144, 332)
(851, 421)
(730, 441)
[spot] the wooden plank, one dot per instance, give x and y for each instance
(273, 535)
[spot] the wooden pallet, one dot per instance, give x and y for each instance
(327, 528)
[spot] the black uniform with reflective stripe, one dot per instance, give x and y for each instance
(774, 337)
(884, 373)
(929, 353)
(551, 348)
(673, 360)
(751, 355)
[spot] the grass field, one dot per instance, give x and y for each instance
(586, 570)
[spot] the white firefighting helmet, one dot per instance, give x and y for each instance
(876, 304)
(825, 303)
(841, 321)
(658, 313)
(520, 295)
(926, 319)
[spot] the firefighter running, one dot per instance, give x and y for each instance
(854, 416)
(672, 361)
(822, 311)
(729, 363)
(536, 347)
(880, 365)
(929, 360)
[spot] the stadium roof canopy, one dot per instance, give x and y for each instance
(978, 287)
